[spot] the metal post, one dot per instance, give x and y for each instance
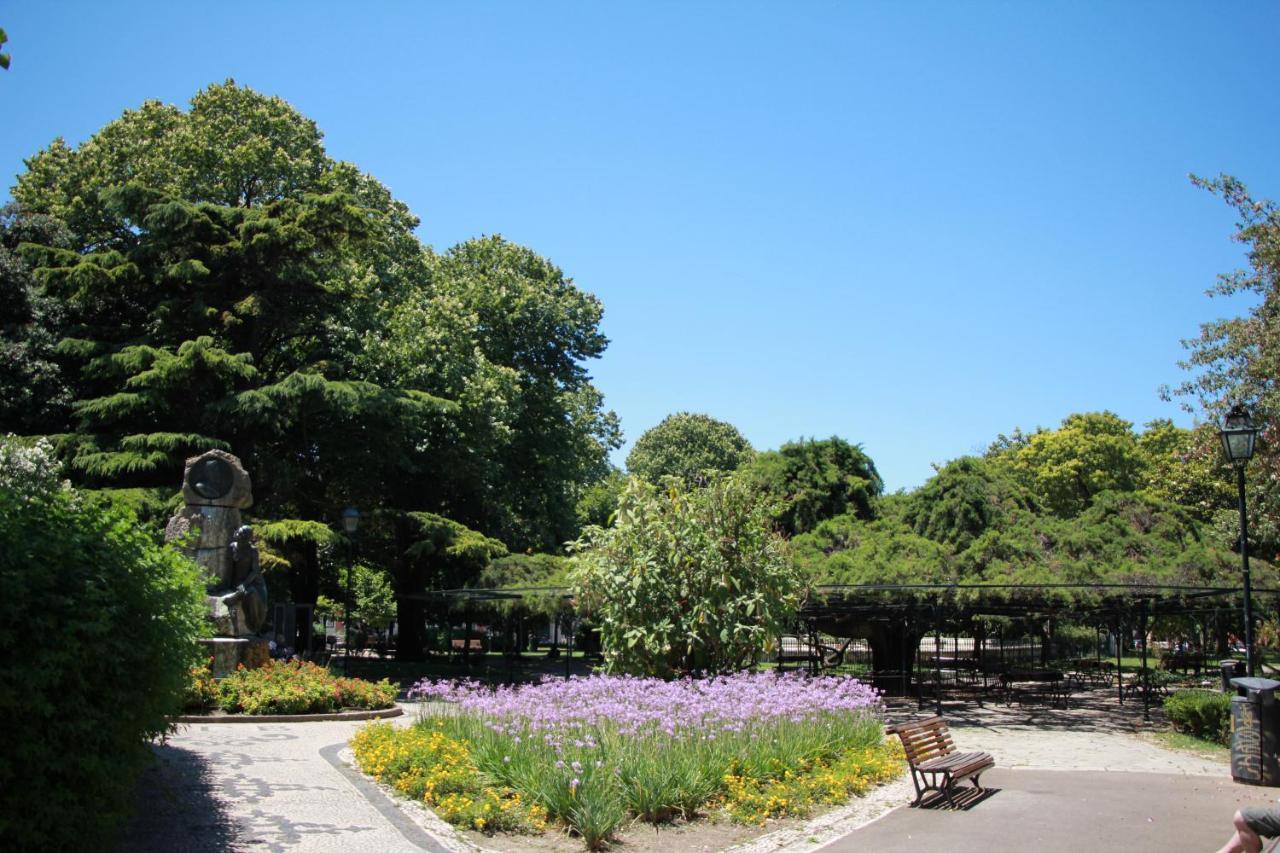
(1119, 653)
(1145, 683)
(568, 646)
(902, 664)
(1244, 565)
(937, 663)
(346, 610)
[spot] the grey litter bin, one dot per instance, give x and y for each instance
(1255, 731)
(1231, 668)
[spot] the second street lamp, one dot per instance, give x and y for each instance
(350, 523)
(1239, 436)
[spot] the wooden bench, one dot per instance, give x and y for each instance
(935, 764)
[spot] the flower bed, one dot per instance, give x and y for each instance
(591, 753)
(286, 687)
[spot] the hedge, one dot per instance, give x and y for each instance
(1205, 714)
(98, 630)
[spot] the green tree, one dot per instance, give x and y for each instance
(209, 277)
(817, 480)
(687, 580)
(1237, 359)
(964, 499)
(687, 446)
(4, 57)
(506, 334)
(598, 501)
(373, 602)
(34, 397)
(1090, 453)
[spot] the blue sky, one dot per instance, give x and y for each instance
(911, 225)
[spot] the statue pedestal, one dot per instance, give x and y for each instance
(227, 654)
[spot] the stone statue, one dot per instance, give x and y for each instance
(246, 602)
(209, 529)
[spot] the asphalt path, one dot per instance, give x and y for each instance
(1060, 811)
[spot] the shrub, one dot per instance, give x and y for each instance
(687, 580)
(295, 687)
(98, 630)
(1205, 714)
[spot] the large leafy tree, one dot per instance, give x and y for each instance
(1090, 453)
(502, 331)
(687, 446)
(1237, 359)
(210, 277)
(817, 480)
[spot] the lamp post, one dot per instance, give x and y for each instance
(1239, 434)
(350, 523)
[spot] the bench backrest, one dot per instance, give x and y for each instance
(924, 739)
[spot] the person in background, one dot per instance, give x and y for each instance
(1252, 823)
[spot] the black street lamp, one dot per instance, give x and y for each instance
(350, 523)
(1239, 435)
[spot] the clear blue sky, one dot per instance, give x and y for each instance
(911, 225)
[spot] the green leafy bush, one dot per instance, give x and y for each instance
(98, 629)
(687, 580)
(295, 687)
(1205, 714)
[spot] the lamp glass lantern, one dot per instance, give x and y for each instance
(350, 519)
(1239, 435)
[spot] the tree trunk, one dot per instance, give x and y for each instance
(410, 612)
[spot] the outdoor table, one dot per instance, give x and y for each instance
(1051, 684)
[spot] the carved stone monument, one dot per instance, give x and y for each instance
(209, 528)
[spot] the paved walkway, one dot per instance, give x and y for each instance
(1069, 812)
(281, 787)
(263, 787)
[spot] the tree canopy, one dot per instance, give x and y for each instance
(210, 277)
(816, 480)
(687, 445)
(1237, 359)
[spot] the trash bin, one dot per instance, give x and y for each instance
(1231, 668)
(1255, 731)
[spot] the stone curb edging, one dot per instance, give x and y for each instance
(338, 717)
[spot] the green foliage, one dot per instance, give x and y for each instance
(505, 333)
(599, 500)
(4, 57)
(298, 687)
(847, 550)
(966, 498)
(373, 603)
(686, 580)
(525, 570)
(454, 553)
(1090, 453)
(208, 276)
(817, 480)
(688, 446)
(1235, 360)
(98, 629)
(1205, 714)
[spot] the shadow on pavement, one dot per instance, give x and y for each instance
(961, 801)
(176, 807)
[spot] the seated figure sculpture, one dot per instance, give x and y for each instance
(245, 595)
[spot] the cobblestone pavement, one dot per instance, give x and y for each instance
(262, 787)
